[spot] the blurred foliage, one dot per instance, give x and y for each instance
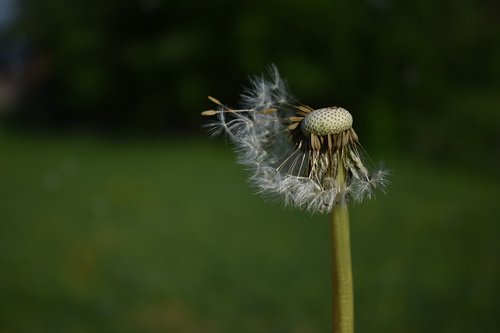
(421, 76)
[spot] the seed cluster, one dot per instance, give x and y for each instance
(326, 121)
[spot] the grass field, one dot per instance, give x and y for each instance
(100, 235)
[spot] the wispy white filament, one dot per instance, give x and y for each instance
(277, 167)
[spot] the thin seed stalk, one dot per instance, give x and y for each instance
(343, 296)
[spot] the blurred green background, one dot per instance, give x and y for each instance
(117, 214)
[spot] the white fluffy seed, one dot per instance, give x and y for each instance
(326, 121)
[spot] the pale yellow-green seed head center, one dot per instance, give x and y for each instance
(326, 121)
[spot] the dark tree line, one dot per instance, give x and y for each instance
(421, 75)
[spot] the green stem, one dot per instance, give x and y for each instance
(343, 298)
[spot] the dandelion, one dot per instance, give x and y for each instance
(309, 158)
(294, 152)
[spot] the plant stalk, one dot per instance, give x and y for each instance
(343, 296)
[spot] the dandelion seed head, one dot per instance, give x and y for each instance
(327, 121)
(309, 158)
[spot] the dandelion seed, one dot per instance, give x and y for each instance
(295, 152)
